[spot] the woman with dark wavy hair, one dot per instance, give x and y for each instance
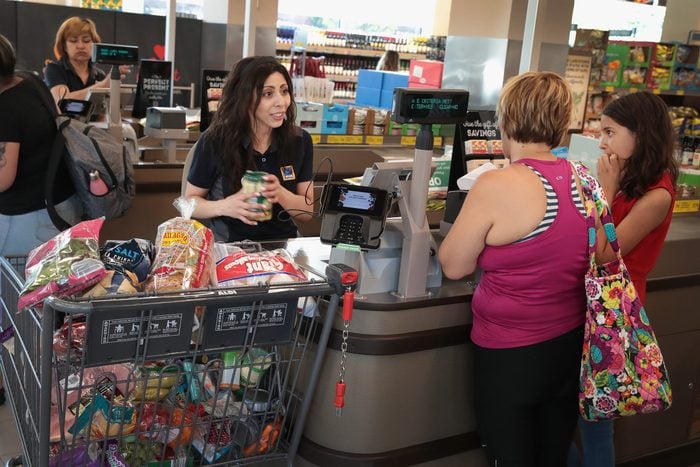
(638, 172)
(253, 129)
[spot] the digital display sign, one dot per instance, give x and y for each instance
(112, 54)
(429, 106)
(75, 108)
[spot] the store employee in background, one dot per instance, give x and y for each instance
(73, 73)
(389, 61)
(524, 226)
(253, 129)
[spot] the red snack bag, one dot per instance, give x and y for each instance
(67, 264)
(235, 266)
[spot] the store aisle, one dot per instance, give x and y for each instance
(9, 439)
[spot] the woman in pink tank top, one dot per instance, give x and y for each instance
(523, 227)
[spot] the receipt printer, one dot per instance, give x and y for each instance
(165, 118)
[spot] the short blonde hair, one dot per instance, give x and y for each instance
(535, 107)
(74, 26)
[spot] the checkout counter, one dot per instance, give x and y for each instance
(409, 362)
(409, 372)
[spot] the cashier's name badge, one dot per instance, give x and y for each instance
(287, 173)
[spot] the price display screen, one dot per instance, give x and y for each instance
(429, 106)
(357, 200)
(112, 54)
(75, 107)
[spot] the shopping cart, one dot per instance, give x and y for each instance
(198, 377)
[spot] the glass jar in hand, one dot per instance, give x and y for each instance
(253, 182)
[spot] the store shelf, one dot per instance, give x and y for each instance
(661, 92)
(351, 51)
(342, 78)
(370, 140)
(687, 205)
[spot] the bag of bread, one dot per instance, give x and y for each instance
(183, 252)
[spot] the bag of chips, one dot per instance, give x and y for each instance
(65, 265)
(235, 266)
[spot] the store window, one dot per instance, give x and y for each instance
(184, 8)
(392, 17)
(626, 20)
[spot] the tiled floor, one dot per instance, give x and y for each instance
(9, 440)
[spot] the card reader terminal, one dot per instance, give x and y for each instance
(353, 215)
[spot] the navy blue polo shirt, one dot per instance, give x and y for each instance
(205, 173)
(62, 72)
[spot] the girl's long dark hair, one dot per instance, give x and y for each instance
(646, 115)
(232, 123)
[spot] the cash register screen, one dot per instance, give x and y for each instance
(357, 200)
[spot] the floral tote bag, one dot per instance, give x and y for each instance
(622, 369)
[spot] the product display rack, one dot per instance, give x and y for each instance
(672, 97)
(353, 52)
(370, 140)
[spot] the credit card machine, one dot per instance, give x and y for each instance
(77, 109)
(353, 215)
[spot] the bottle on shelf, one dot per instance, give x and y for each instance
(688, 151)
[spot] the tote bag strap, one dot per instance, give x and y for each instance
(596, 199)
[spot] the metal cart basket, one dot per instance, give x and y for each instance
(198, 377)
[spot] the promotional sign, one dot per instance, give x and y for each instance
(212, 86)
(577, 74)
(438, 183)
(481, 126)
(154, 86)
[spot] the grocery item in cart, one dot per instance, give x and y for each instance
(183, 259)
(256, 362)
(69, 339)
(90, 456)
(154, 381)
(114, 283)
(127, 265)
(110, 380)
(135, 255)
(213, 441)
(65, 265)
(105, 419)
(171, 426)
(235, 266)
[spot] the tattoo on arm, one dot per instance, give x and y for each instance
(3, 159)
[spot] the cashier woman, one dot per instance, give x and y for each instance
(73, 74)
(253, 129)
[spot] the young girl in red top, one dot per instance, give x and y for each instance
(637, 172)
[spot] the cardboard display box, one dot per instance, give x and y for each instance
(310, 116)
(426, 72)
